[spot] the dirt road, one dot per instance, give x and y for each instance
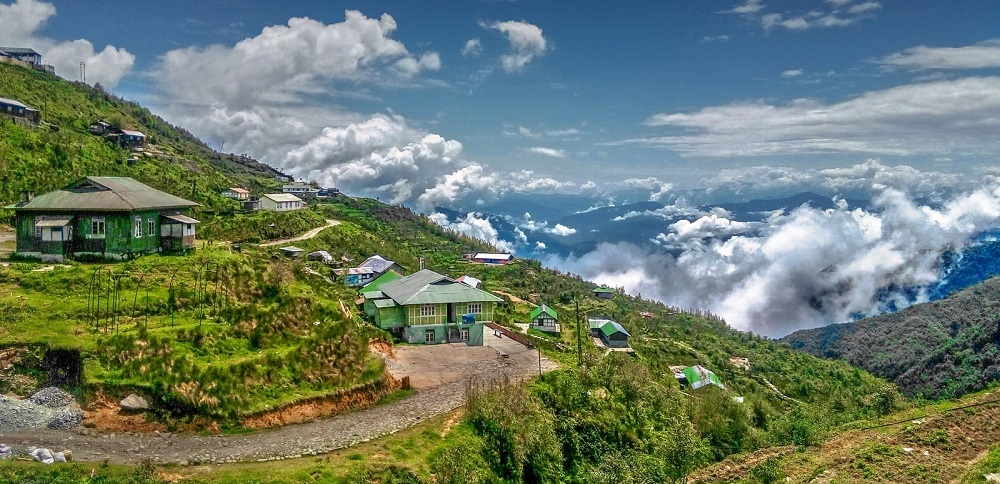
(439, 372)
(308, 235)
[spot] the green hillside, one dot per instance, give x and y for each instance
(221, 335)
(945, 348)
(61, 149)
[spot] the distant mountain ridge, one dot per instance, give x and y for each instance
(944, 348)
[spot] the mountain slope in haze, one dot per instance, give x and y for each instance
(944, 348)
(61, 149)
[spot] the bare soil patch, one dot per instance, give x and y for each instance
(104, 415)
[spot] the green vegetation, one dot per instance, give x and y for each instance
(945, 348)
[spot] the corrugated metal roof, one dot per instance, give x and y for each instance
(54, 222)
(106, 194)
(18, 50)
(13, 102)
(184, 219)
(377, 263)
(384, 303)
(281, 197)
(469, 281)
(132, 132)
(604, 289)
(609, 328)
(377, 283)
(239, 190)
(487, 255)
(429, 287)
(543, 308)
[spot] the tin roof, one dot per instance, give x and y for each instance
(184, 219)
(609, 328)
(54, 222)
(13, 102)
(18, 50)
(377, 283)
(429, 287)
(377, 263)
(105, 194)
(239, 190)
(281, 197)
(132, 132)
(604, 289)
(487, 255)
(543, 309)
(597, 322)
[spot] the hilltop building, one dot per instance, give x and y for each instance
(430, 308)
(280, 202)
(236, 193)
(15, 110)
(300, 189)
(369, 270)
(25, 57)
(544, 318)
(105, 218)
(612, 334)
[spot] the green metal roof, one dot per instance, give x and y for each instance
(604, 289)
(377, 283)
(597, 322)
(429, 287)
(543, 309)
(609, 328)
(105, 194)
(384, 303)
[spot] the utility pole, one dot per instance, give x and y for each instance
(579, 341)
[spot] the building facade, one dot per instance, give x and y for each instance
(103, 218)
(280, 202)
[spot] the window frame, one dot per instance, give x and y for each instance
(150, 227)
(475, 308)
(429, 336)
(428, 310)
(98, 227)
(137, 227)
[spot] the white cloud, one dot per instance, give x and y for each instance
(864, 7)
(718, 38)
(934, 118)
(750, 7)
(473, 48)
(808, 268)
(792, 73)
(562, 230)
(982, 55)
(563, 133)
(474, 225)
(284, 63)
(526, 43)
(552, 152)
(19, 23)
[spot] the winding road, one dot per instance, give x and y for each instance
(443, 391)
(308, 235)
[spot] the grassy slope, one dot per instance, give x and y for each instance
(942, 348)
(61, 150)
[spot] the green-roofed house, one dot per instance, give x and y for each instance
(544, 318)
(102, 218)
(604, 293)
(427, 307)
(611, 333)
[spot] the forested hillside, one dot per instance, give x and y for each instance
(61, 150)
(945, 348)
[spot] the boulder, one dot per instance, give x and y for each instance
(41, 455)
(5, 452)
(134, 403)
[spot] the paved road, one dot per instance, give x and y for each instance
(308, 235)
(303, 439)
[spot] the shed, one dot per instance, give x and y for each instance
(131, 138)
(320, 256)
(291, 251)
(492, 258)
(17, 109)
(604, 292)
(544, 318)
(614, 335)
(236, 193)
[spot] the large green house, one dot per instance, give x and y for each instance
(102, 218)
(427, 307)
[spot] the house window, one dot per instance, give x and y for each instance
(427, 310)
(38, 230)
(464, 335)
(138, 227)
(429, 336)
(476, 308)
(97, 226)
(150, 227)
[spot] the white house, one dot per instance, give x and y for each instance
(280, 202)
(300, 189)
(237, 193)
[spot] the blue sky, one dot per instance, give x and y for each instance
(593, 96)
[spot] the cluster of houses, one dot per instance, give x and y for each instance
(102, 218)
(126, 138)
(293, 196)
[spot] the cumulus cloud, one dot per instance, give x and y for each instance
(473, 48)
(792, 73)
(551, 152)
(526, 43)
(286, 62)
(750, 7)
(808, 268)
(19, 24)
(684, 234)
(982, 55)
(562, 230)
(477, 226)
(933, 118)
